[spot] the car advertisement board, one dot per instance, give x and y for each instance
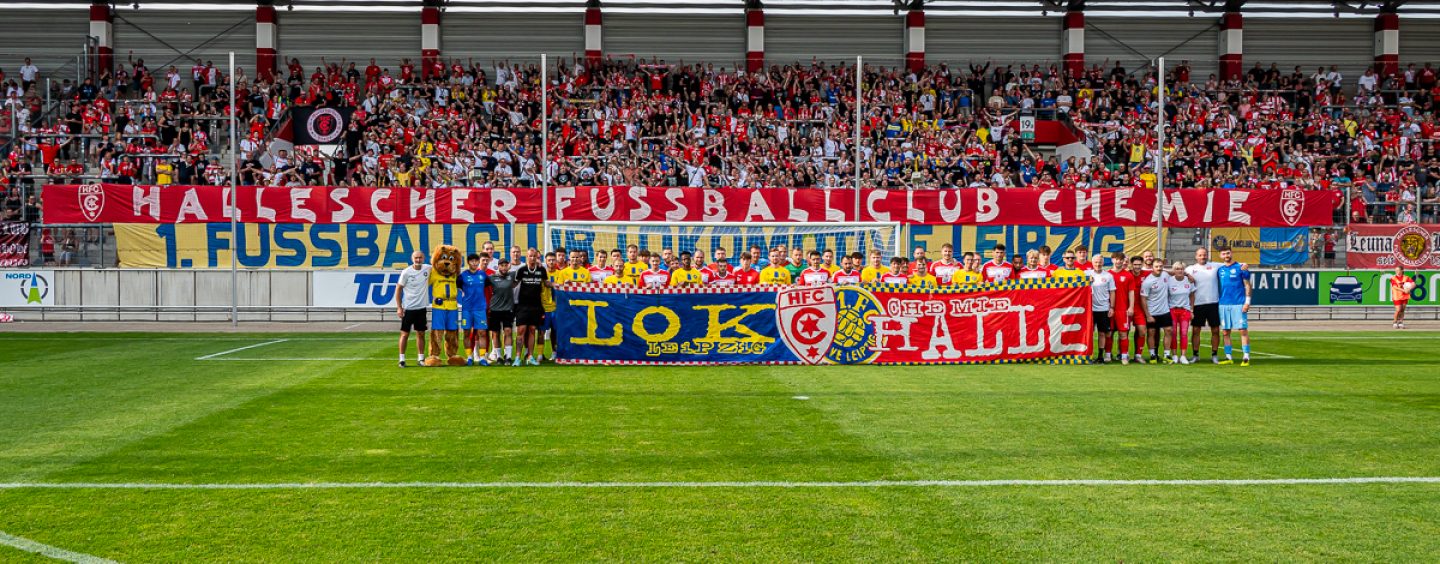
(1339, 287)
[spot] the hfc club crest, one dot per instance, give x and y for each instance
(92, 201)
(807, 321)
(1292, 204)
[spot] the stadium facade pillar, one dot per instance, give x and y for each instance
(1231, 45)
(754, 36)
(102, 30)
(915, 37)
(1072, 39)
(429, 37)
(594, 48)
(267, 34)
(1387, 42)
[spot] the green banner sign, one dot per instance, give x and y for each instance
(1372, 287)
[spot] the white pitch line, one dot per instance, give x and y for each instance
(352, 326)
(693, 485)
(289, 359)
(244, 348)
(1271, 355)
(46, 550)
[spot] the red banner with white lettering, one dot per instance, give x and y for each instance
(113, 203)
(1413, 246)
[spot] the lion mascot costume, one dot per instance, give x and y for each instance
(445, 265)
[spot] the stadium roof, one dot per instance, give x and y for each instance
(1428, 9)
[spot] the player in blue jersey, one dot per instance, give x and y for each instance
(1234, 281)
(473, 309)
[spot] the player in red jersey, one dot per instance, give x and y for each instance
(1082, 258)
(915, 255)
(655, 276)
(1126, 286)
(815, 274)
(1138, 322)
(720, 274)
(602, 268)
(1400, 287)
(1034, 269)
(997, 270)
(746, 275)
(847, 273)
(896, 276)
(944, 269)
(1045, 252)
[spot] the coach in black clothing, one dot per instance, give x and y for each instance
(532, 281)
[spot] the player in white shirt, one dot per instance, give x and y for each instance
(944, 269)
(1155, 300)
(1207, 304)
(816, 274)
(1102, 291)
(412, 297)
(1182, 303)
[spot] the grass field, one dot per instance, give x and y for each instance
(105, 409)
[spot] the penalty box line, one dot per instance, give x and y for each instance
(731, 484)
(53, 552)
(238, 349)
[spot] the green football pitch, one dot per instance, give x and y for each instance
(315, 447)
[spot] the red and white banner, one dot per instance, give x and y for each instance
(111, 203)
(117, 203)
(14, 244)
(985, 326)
(1413, 246)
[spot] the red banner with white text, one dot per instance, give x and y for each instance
(1413, 246)
(113, 203)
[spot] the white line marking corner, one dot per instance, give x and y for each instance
(48, 551)
(244, 348)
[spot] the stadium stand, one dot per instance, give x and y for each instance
(648, 121)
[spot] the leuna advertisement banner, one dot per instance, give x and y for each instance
(1412, 246)
(1339, 287)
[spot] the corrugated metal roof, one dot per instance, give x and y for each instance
(1425, 9)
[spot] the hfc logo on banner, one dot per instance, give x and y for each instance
(807, 321)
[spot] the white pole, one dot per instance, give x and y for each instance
(545, 150)
(859, 76)
(234, 211)
(1160, 161)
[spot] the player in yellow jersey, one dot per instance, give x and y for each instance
(1068, 268)
(576, 273)
(922, 277)
(686, 275)
(554, 265)
(871, 273)
(827, 262)
(775, 275)
(635, 264)
(969, 272)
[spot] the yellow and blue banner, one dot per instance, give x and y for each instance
(381, 246)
